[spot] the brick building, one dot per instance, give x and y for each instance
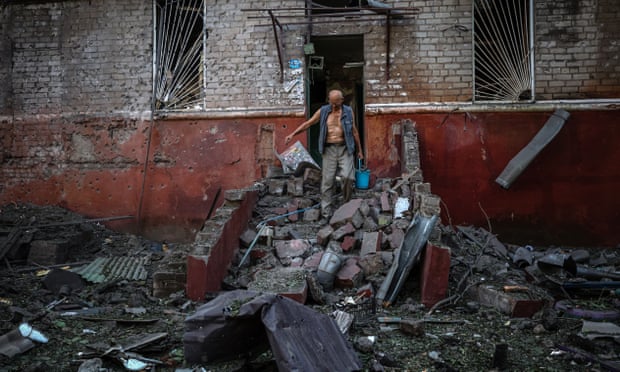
(148, 108)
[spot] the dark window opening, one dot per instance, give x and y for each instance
(179, 50)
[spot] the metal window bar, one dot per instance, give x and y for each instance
(180, 44)
(503, 50)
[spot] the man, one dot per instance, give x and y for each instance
(338, 140)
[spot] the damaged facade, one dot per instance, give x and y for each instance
(107, 111)
(167, 119)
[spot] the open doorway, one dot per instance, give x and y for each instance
(337, 63)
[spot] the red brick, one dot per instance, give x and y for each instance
(346, 213)
(517, 305)
(349, 275)
(435, 273)
(385, 202)
(313, 261)
(348, 243)
(343, 231)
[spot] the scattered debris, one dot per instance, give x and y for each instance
(384, 282)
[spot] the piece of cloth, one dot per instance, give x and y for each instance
(336, 159)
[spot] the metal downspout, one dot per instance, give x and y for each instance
(532, 51)
(152, 121)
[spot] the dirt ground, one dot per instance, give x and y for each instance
(463, 335)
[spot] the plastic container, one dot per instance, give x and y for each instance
(362, 176)
(27, 331)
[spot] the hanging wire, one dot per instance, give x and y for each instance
(179, 52)
(501, 50)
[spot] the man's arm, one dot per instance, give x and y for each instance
(303, 126)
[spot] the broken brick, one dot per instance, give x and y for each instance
(295, 186)
(323, 235)
(349, 243)
(385, 202)
(291, 248)
(350, 275)
(343, 231)
(371, 243)
(430, 205)
(515, 304)
(346, 213)
(313, 261)
(435, 274)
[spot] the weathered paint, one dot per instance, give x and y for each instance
(567, 195)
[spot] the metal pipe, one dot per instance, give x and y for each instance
(532, 51)
(388, 31)
(275, 22)
(204, 53)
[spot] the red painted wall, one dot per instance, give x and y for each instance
(567, 195)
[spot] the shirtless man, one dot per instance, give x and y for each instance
(338, 140)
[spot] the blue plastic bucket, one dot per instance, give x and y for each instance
(362, 176)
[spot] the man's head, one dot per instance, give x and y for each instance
(335, 98)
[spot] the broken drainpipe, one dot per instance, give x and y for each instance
(261, 225)
(521, 161)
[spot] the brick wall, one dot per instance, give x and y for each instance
(578, 49)
(77, 56)
(96, 57)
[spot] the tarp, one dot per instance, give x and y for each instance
(245, 323)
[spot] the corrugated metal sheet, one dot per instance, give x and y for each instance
(104, 269)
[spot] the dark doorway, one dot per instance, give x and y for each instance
(337, 63)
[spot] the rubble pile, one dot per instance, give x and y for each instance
(458, 275)
(404, 289)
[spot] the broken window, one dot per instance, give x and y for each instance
(180, 39)
(503, 53)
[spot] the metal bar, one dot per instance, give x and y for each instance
(532, 51)
(388, 42)
(205, 35)
(334, 15)
(275, 34)
(330, 8)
